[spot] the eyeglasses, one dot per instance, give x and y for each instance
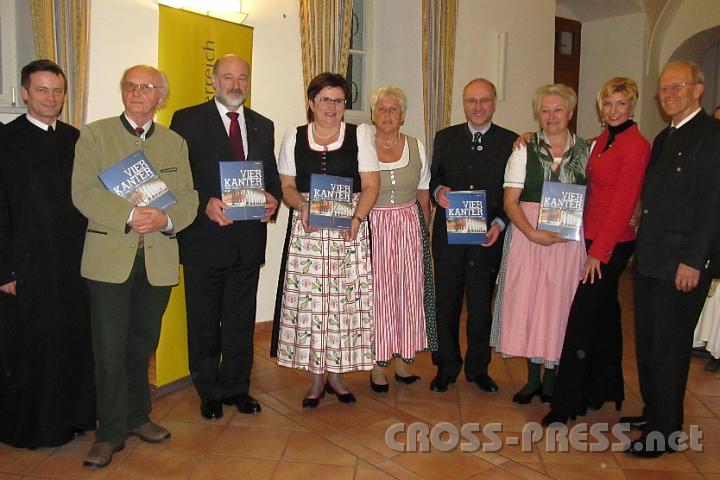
(327, 101)
(129, 87)
(479, 101)
(675, 87)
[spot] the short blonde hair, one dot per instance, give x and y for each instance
(388, 91)
(563, 91)
(624, 85)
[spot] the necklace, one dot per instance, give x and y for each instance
(388, 145)
(324, 137)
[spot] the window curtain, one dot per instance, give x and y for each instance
(325, 36)
(438, 51)
(60, 31)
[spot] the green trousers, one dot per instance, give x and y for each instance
(125, 321)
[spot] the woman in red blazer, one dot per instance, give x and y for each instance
(590, 370)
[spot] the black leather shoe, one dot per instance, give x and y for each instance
(410, 379)
(440, 383)
(546, 399)
(712, 365)
(636, 423)
(525, 398)
(342, 397)
(211, 409)
(313, 402)
(485, 383)
(244, 403)
(643, 449)
(378, 387)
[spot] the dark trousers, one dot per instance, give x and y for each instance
(665, 319)
(221, 305)
(125, 322)
(460, 271)
(590, 369)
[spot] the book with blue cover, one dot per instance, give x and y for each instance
(330, 200)
(561, 209)
(136, 180)
(466, 217)
(242, 187)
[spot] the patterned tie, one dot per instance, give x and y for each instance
(236, 136)
(139, 131)
(476, 142)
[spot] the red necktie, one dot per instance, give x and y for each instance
(236, 136)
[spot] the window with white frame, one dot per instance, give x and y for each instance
(8, 57)
(359, 61)
(16, 49)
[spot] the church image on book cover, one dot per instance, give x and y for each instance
(466, 217)
(330, 201)
(561, 209)
(242, 188)
(135, 179)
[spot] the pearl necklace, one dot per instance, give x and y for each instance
(324, 137)
(389, 146)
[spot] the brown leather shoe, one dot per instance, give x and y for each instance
(101, 454)
(151, 432)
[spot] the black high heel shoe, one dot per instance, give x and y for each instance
(342, 397)
(595, 405)
(408, 380)
(553, 417)
(313, 402)
(377, 387)
(524, 398)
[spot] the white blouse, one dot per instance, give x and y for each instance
(367, 157)
(404, 159)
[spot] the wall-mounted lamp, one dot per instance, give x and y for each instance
(229, 10)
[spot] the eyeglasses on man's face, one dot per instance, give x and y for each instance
(130, 87)
(339, 102)
(673, 87)
(478, 101)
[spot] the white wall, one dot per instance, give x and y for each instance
(530, 25)
(122, 33)
(398, 57)
(604, 56)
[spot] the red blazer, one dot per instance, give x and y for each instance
(615, 178)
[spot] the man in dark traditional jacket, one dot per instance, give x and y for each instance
(46, 385)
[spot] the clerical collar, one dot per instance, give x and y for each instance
(130, 126)
(686, 119)
(40, 124)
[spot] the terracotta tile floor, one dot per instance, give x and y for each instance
(338, 441)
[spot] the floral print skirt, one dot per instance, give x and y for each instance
(326, 319)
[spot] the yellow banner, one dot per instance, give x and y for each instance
(189, 45)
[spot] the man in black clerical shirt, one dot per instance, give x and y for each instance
(47, 394)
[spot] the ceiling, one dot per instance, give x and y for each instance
(590, 10)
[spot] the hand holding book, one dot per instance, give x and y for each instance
(215, 210)
(148, 220)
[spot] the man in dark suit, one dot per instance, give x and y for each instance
(468, 156)
(677, 254)
(222, 258)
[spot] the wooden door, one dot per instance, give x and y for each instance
(567, 56)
